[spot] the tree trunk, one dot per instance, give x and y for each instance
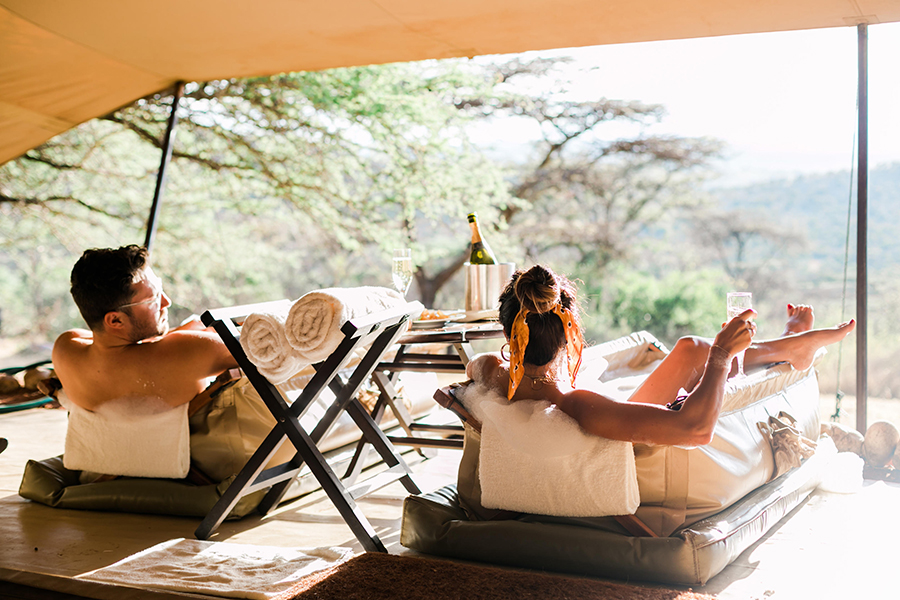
(430, 285)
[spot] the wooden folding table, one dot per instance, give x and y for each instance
(457, 337)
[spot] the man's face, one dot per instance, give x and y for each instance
(149, 307)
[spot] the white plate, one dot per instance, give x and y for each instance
(480, 315)
(428, 324)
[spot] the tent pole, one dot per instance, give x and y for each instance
(861, 231)
(163, 166)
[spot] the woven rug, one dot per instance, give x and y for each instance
(377, 576)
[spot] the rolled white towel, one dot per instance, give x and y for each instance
(313, 325)
(263, 339)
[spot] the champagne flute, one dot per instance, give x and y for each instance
(401, 270)
(736, 303)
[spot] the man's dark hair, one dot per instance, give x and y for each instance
(102, 278)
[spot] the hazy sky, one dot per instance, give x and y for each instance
(783, 102)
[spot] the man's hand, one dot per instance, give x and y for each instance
(737, 333)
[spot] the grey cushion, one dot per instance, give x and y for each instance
(49, 482)
(435, 523)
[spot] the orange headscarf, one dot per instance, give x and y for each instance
(518, 341)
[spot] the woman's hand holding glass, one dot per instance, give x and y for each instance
(737, 334)
(735, 304)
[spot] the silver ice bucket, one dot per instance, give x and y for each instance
(484, 284)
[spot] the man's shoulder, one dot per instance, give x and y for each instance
(75, 334)
(72, 339)
(193, 352)
(187, 345)
(188, 337)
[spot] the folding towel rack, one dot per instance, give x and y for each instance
(381, 329)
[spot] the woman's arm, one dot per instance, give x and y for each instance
(692, 425)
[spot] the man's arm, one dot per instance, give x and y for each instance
(65, 348)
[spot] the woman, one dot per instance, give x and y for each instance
(539, 314)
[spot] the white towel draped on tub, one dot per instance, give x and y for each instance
(263, 339)
(136, 437)
(537, 459)
(313, 325)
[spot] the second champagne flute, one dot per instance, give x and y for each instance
(401, 269)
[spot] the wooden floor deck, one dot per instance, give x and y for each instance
(832, 546)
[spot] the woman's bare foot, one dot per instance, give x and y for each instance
(804, 345)
(800, 319)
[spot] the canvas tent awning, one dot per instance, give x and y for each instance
(63, 63)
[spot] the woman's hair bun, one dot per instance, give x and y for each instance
(538, 290)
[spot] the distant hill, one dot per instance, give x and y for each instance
(818, 204)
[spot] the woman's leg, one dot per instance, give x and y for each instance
(681, 369)
(800, 318)
(799, 349)
(684, 366)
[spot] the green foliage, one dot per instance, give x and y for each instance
(34, 277)
(669, 307)
(284, 184)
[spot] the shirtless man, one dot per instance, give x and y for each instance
(129, 352)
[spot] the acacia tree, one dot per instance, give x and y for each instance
(588, 192)
(750, 249)
(286, 183)
(583, 195)
(335, 167)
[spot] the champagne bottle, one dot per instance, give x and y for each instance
(481, 252)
